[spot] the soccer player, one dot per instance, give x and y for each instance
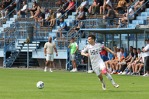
(49, 48)
(98, 65)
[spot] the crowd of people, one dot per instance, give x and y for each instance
(132, 63)
(120, 64)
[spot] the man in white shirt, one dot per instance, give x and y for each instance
(98, 65)
(22, 11)
(146, 57)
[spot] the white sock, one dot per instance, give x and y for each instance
(110, 78)
(45, 67)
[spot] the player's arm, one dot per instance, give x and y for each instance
(109, 50)
(83, 52)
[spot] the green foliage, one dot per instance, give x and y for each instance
(21, 84)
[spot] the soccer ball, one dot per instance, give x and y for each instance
(40, 84)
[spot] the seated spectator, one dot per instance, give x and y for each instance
(138, 4)
(127, 16)
(40, 19)
(121, 6)
(59, 3)
(78, 23)
(37, 13)
(138, 64)
(81, 15)
(132, 61)
(83, 5)
(70, 8)
(58, 16)
(33, 9)
(52, 18)
(2, 7)
(63, 27)
(23, 10)
(10, 9)
(94, 8)
(110, 15)
(103, 7)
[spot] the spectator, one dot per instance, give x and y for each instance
(103, 8)
(23, 10)
(110, 15)
(37, 13)
(73, 50)
(132, 61)
(58, 16)
(121, 6)
(146, 57)
(135, 67)
(59, 3)
(49, 48)
(138, 5)
(127, 16)
(83, 5)
(52, 18)
(33, 9)
(9, 9)
(70, 8)
(94, 8)
(63, 27)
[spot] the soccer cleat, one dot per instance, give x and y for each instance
(103, 86)
(51, 70)
(116, 85)
(90, 71)
(45, 70)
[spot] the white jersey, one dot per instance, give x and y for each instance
(94, 54)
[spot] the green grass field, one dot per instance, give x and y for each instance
(21, 84)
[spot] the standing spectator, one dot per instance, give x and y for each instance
(146, 57)
(98, 65)
(49, 48)
(73, 49)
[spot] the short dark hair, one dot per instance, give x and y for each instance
(92, 36)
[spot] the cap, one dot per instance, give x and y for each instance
(147, 39)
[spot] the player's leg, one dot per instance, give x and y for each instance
(51, 62)
(99, 74)
(108, 75)
(46, 63)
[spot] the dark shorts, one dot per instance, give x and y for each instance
(146, 63)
